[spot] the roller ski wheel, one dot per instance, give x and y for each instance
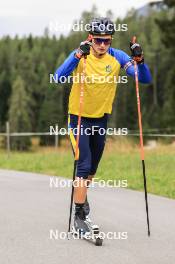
(93, 234)
(99, 241)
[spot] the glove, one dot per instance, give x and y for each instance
(136, 53)
(84, 49)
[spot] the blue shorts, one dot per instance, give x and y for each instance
(91, 142)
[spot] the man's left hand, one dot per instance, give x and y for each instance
(137, 53)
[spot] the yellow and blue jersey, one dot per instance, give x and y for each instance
(101, 80)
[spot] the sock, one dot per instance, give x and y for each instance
(79, 210)
(79, 206)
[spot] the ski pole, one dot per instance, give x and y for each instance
(141, 138)
(77, 140)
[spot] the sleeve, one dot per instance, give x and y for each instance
(126, 63)
(144, 74)
(67, 67)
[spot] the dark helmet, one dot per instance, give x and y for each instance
(101, 26)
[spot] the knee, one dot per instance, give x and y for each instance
(83, 171)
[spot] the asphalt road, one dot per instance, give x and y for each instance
(30, 209)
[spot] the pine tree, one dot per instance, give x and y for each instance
(19, 114)
(167, 26)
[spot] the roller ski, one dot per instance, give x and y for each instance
(83, 226)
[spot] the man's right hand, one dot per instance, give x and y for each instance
(84, 49)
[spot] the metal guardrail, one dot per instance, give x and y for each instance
(153, 135)
(9, 134)
(133, 133)
(23, 134)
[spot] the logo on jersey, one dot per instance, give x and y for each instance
(108, 68)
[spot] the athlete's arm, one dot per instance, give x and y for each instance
(144, 74)
(72, 61)
(126, 63)
(67, 67)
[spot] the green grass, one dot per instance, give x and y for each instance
(120, 162)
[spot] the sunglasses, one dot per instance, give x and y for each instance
(99, 41)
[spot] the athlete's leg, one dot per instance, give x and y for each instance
(84, 162)
(97, 144)
(80, 190)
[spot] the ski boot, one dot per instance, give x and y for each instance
(94, 229)
(80, 225)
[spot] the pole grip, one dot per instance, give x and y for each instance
(134, 39)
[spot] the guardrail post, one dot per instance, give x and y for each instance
(56, 139)
(8, 138)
